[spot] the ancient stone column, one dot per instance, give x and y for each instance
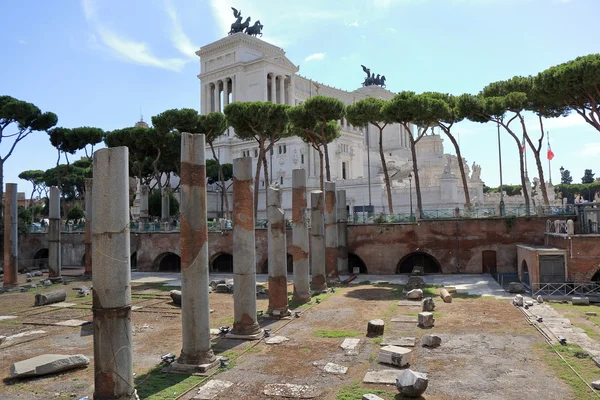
(88, 226)
(317, 242)
(144, 190)
(165, 204)
(245, 325)
(54, 256)
(331, 231)
(11, 237)
(113, 356)
(196, 353)
(342, 232)
(277, 249)
(299, 247)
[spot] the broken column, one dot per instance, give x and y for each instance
(245, 325)
(299, 247)
(278, 301)
(11, 237)
(331, 239)
(342, 232)
(165, 204)
(317, 242)
(88, 226)
(54, 256)
(113, 356)
(144, 190)
(196, 353)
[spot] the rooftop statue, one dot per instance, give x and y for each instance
(371, 79)
(238, 26)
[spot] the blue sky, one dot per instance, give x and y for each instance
(101, 62)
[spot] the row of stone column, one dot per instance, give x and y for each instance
(225, 85)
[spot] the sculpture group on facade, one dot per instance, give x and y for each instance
(371, 79)
(238, 26)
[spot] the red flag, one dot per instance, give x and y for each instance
(550, 153)
(523, 145)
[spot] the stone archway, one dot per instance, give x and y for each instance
(355, 261)
(133, 260)
(167, 262)
(593, 274)
(524, 272)
(221, 263)
(429, 263)
(40, 259)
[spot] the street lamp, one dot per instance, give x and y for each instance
(410, 193)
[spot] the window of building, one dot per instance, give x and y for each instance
(301, 158)
(255, 153)
(282, 149)
(246, 153)
(344, 171)
(281, 180)
(271, 151)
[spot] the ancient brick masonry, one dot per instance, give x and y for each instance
(299, 248)
(277, 249)
(10, 236)
(317, 242)
(331, 232)
(342, 232)
(54, 252)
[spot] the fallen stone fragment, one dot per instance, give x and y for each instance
(415, 294)
(516, 287)
(350, 344)
(23, 334)
(580, 301)
(214, 331)
(445, 295)
(394, 355)
(47, 364)
(426, 320)
(289, 390)
(212, 389)
(63, 304)
(518, 300)
(428, 304)
(591, 313)
(46, 282)
(596, 361)
(375, 327)
(176, 296)
(72, 322)
(540, 299)
(42, 299)
(3, 317)
(385, 376)
(276, 340)
(370, 396)
(411, 383)
(414, 282)
(596, 385)
(37, 273)
(335, 368)
(431, 340)
(223, 288)
(402, 342)
(529, 303)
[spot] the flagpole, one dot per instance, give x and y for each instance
(549, 169)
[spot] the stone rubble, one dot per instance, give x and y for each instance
(212, 389)
(415, 294)
(426, 320)
(431, 340)
(47, 364)
(292, 391)
(335, 368)
(394, 355)
(370, 396)
(276, 340)
(411, 383)
(518, 300)
(428, 304)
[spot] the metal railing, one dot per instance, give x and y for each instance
(557, 226)
(566, 289)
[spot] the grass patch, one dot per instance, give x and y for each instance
(226, 321)
(355, 392)
(575, 356)
(155, 385)
(325, 333)
(143, 296)
(364, 282)
(378, 340)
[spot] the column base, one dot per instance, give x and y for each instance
(256, 336)
(9, 287)
(301, 298)
(278, 313)
(192, 369)
(55, 279)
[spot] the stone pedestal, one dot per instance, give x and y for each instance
(278, 301)
(245, 325)
(317, 242)
(88, 226)
(113, 355)
(449, 188)
(196, 353)
(11, 237)
(144, 215)
(342, 232)
(299, 248)
(331, 231)
(54, 255)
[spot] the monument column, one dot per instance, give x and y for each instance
(317, 242)
(342, 228)
(300, 238)
(282, 89)
(273, 88)
(291, 91)
(226, 92)
(196, 353)
(11, 237)
(331, 240)
(277, 249)
(54, 256)
(245, 325)
(216, 96)
(113, 355)
(88, 226)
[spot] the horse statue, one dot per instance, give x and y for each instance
(382, 81)
(238, 26)
(377, 80)
(255, 29)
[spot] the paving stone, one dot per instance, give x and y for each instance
(411, 383)
(370, 396)
(47, 364)
(292, 391)
(408, 303)
(276, 340)
(394, 355)
(212, 389)
(350, 344)
(407, 319)
(72, 322)
(24, 334)
(335, 368)
(386, 376)
(402, 342)
(3, 317)
(431, 340)
(62, 305)
(351, 353)
(529, 303)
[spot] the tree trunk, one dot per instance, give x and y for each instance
(538, 161)
(2, 186)
(521, 161)
(266, 175)
(327, 170)
(222, 179)
(261, 154)
(386, 175)
(413, 151)
(460, 166)
(321, 167)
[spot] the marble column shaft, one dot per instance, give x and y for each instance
(342, 230)
(282, 89)
(195, 311)
(277, 250)
(244, 252)
(273, 88)
(165, 204)
(113, 355)
(299, 248)
(54, 255)
(144, 214)
(11, 236)
(88, 225)
(331, 240)
(317, 242)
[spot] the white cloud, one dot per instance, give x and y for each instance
(180, 40)
(591, 150)
(89, 8)
(316, 56)
(21, 41)
(353, 24)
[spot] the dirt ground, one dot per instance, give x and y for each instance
(488, 350)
